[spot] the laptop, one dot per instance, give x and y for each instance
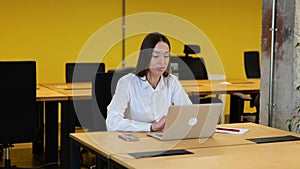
(190, 121)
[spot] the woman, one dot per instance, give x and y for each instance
(142, 98)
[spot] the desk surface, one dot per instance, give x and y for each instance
(108, 143)
(221, 86)
(83, 90)
(46, 94)
(225, 81)
(79, 90)
(258, 156)
(70, 91)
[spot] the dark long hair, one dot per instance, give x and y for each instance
(146, 51)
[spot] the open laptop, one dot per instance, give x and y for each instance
(190, 121)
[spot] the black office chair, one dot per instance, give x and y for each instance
(252, 69)
(104, 88)
(252, 64)
(192, 68)
(17, 104)
(237, 100)
(82, 72)
(187, 67)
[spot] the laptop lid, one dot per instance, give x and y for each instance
(191, 121)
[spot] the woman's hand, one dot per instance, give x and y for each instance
(159, 125)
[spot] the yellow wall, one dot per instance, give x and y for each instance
(55, 32)
(51, 32)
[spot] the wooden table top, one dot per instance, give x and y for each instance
(79, 90)
(259, 156)
(108, 143)
(83, 90)
(46, 94)
(221, 86)
(225, 81)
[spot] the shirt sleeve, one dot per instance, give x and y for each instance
(179, 97)
(115, 120)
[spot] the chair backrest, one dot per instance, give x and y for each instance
(191, 49)
(104, 88)
(188, 68)
(252, 64)
(83, 72)
(17, 101)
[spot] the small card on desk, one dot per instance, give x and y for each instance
(128, 137)
(228, 130)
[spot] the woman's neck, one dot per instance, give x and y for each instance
(152, 79)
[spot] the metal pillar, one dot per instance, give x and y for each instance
(271, 75)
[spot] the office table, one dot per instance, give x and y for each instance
(45, 94)
(83, 91)
(107, 145)
(47, 104)
(217, 87)
(197, 87)
(78, 90)
(259, 156)
(72, 91)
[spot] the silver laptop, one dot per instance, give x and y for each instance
(190, 121)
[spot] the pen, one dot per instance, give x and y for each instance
(228, 129)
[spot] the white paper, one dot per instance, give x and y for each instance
(226, 130)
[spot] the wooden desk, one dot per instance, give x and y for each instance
(79, 90)
(83, 91)
(198, 87)
(217, 87)
(102, 142)
(46, 145)
(258, 156)
(45, 94)
(72, 91)
(107, 144)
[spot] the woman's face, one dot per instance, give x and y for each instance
(160, 59)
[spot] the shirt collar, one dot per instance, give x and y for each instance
(146, 84)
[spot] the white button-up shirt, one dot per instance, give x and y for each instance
(135, 104)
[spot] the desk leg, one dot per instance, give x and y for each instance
(101, 161)
(51, 129)
(75, 155)
(67, 127)
(235, 109)
(38, 143)
(51, 132)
